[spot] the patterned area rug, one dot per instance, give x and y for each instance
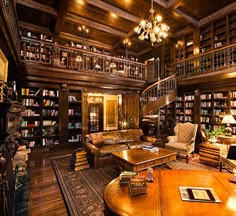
(83, 190)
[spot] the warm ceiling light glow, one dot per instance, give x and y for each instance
(83, 29)
(128, 1)
(113, 15)
(80, 2)
(127, 42)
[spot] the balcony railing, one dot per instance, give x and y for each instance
(79, 59)
(220, 59)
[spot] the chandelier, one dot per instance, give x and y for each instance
(152, 28)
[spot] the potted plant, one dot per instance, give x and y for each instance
(214, 133)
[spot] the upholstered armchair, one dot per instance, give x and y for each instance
(183, 142)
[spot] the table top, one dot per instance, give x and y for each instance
(139, 155)
(163, 197)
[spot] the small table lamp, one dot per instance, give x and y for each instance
(228, 119)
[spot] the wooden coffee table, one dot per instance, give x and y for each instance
(163, 197)
(140, 159)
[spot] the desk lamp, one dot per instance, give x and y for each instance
(228, 119)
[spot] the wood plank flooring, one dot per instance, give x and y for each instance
(45, 195)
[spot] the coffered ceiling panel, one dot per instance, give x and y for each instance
(110, 21)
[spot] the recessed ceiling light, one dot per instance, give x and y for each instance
(81, 2)
(113, 15)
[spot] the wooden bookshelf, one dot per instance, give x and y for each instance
(75, 116)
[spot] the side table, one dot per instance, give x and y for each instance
(227, 163)
(209, 153)
(226, 139)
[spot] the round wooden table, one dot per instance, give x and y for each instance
(163, 196)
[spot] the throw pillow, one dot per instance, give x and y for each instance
(97, 139)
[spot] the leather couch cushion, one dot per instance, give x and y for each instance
(97, 139)
(130, 135)
(138, 144)
(108, 149)
(111, 137)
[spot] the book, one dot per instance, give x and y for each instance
(125, 176)
(78, 153)
(85, 166)
(80, 163)
(198, 194)
(137, 186)
(76, 161)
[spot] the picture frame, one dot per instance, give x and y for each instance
(3, 67)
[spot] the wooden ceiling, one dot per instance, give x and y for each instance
(110, 21)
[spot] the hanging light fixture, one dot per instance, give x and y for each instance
(152, 28)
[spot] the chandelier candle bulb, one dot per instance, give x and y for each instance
(152, 28)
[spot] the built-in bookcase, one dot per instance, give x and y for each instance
(233, 108)
(41, 116)
(189, 107)
(179, 110)
(220, 107)
(75, 116)
(30, 130)
(50, 116)
(206, 110)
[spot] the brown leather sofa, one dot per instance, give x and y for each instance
(99, 146)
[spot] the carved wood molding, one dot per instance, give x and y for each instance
(78, 39)
(63, 9)
(184, 31)
(108, 7)
(144, 51)
(164, 3)
(171, 2)
(33, 73)
(37, 6)
(186, 17)
(80, 20)
(218, 13)
(34, 28)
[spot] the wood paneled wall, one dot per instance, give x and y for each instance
(130, 107)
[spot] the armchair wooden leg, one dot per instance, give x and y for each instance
(187, 157)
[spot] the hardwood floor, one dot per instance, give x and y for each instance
(45, 196)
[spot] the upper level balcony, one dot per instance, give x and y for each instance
(77, 59)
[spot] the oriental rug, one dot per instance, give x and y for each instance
(83, 190)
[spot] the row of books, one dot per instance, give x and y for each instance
(49, 103)
(30, 112)
(51, 93)
(72, 99)
(27, 91)
(50, 112)
(30, 124)
(49, 122)
(30, 102)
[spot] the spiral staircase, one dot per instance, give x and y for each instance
(159, 94)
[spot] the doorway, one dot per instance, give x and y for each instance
(95, 117)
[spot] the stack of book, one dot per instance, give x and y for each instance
(79, 160)
(137, 186)
(125, 176)
(148, 147)
(151, 148)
